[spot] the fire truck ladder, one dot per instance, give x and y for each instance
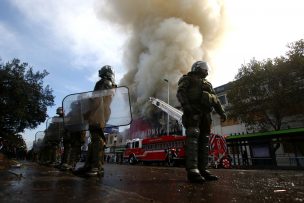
(173, 112)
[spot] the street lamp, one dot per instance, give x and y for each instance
(115, 140)
(167, 81)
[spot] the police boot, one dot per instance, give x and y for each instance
(194, 176)
(92, 172)
(82, 171)
(66, 157)
(192, 156)
(208, 176)
(65, 167)
(203, 158)
(96, 150)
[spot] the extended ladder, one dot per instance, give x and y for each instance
(173, 112)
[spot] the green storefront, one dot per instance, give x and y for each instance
(275, 149)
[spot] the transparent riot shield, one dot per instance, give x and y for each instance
(54, 129)
(104, 108)
(39, 136)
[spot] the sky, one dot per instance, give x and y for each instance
(72, 39)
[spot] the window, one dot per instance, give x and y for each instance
(222, 99)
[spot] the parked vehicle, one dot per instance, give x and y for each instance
(164, 149)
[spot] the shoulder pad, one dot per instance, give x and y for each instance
(183, 79)
(103, 84)
(107, 84)
(211, 90)
(207, 82)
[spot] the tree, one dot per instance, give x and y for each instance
(13, 146)
(23, 98)
(265, 92)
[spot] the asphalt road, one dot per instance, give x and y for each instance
(125, 183)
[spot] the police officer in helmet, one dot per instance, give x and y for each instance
(52, 140)
(95, 159)
(59, 112)
(198, 99)
(107, 78)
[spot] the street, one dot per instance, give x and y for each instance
(126, 183)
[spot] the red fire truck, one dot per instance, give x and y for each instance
(170, 149)
(167, 149)
(218, 152)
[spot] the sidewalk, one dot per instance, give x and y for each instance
(125, 183)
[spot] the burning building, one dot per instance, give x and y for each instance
(164, 39)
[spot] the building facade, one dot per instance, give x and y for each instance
(273, 149)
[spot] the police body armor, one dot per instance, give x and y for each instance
(198, 99)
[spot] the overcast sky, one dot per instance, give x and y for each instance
(67, 39)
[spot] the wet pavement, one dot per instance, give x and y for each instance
(125, 183)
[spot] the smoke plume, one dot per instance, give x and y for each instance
(165, 38)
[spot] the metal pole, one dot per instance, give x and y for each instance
(168, 127)
(115, 140)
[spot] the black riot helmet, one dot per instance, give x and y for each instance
(59, 111)
(200, 67)
(107, 72)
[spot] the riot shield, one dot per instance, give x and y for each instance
(104, 108)
(54, 129)
(38, 140)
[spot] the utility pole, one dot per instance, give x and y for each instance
(168, 127)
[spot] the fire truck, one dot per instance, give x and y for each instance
(170, 149)
(218, 152)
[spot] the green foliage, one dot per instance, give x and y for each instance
(14, 140)
(23, 99)
(265, 92)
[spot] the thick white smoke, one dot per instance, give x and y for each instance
(166, 38)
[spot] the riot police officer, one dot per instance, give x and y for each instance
(198, 99)
(95, 159)
(66, 142)
(72, 141)
(56, 132)
(50, 145)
